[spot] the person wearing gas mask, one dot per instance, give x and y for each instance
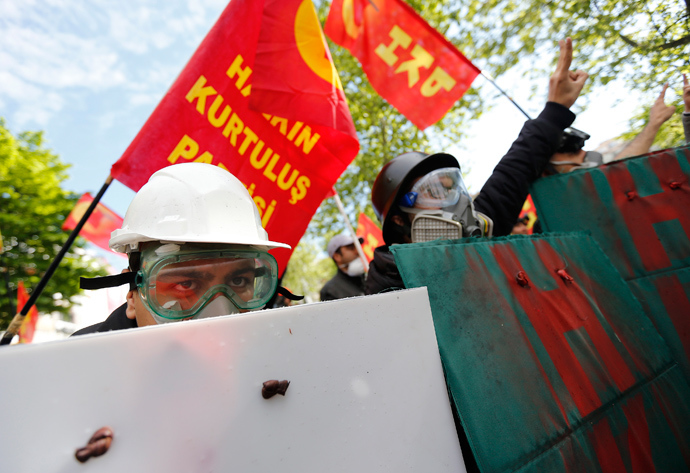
(570, 156)
(196, 249)
(349, 278)
(419, 197)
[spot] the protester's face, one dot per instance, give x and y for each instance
(577, 158)
(186, 282)
(520, 229)
(345, 255)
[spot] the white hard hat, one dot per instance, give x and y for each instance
(192, 202)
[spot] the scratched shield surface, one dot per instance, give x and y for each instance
(366, 393)
(638, 211)
(551, 363)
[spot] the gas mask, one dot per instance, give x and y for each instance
(443, 209)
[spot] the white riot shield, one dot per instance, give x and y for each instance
(366, 394)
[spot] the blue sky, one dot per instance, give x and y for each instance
(89, 73)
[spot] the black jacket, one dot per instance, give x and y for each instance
(116, 321)
(504, 192)
(342, 286)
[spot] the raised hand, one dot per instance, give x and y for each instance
(565, 85)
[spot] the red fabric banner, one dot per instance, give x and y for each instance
(100, 224)
(529, 211)
(28, 327)
(255, 57)
(410, 64)
(371, 233)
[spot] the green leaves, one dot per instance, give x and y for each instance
(34, 206)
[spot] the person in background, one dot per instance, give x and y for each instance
(520, 227)
(420, 197)
(349, 278)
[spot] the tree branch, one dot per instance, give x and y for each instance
(629, 41)
(679, 42)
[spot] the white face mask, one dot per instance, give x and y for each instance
(355, 267)
(221, 305)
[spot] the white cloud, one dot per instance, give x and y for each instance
(57, 53)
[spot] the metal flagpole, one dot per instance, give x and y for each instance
(488, 77)
(16, 323)
(360, 252)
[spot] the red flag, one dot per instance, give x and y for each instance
(529, 211)
(288, 157)
(100, 224)
(28, 327)
(371, 233)
(410, 64)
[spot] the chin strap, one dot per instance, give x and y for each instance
(107, 281)
(287, 294)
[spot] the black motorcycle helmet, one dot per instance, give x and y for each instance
(395, 178)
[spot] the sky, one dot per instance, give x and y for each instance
(89, 73)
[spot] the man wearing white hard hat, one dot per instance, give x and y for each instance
(349, 278)
(196, 249)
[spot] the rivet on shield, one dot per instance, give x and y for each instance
(273, 387)
(99, 443)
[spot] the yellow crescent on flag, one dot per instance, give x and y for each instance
(311, 44)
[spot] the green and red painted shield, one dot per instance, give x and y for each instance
(551, 363)
(638, 211)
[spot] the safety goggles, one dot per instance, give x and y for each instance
(436, 190)
(179, 285)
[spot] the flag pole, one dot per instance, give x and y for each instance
(7, 281)
(488, 77)
(16, 323)
(360, 252)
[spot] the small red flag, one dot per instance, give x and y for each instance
(410, 64)
(529, 211)
(100, 224)
(371, 233)
(28, 327)
(265, 56)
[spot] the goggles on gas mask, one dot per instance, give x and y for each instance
(443, 209)
(180, 282)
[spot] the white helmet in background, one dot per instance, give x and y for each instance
(192, 203)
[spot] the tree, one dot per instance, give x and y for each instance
(33, 208)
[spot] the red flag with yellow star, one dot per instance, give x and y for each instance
(410, 64)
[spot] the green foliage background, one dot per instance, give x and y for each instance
(33, 207)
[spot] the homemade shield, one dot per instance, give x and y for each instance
(550, 361)
(638, 211)
(366, 393)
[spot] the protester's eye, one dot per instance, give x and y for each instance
(239, 282)
(188, 285)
